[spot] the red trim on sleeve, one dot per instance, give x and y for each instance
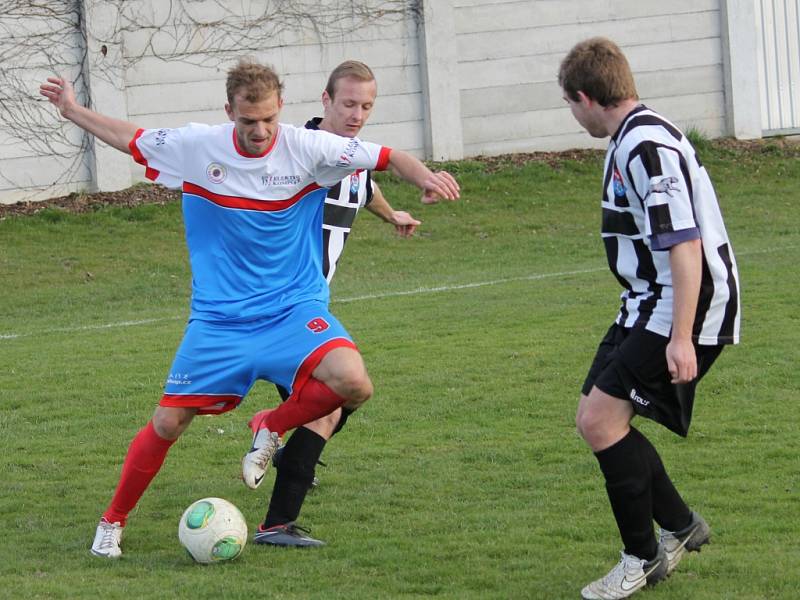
(209, 404)
(150, 173)
(313, 360)
(248, 203)
(383, 159)
(246, 154)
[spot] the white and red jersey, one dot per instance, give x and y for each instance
(253, 223)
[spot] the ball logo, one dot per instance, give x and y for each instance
(216, 173)
(317, 325)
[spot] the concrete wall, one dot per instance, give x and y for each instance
(509, 53)
(39, 162)
(474, 77)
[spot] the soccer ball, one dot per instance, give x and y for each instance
(212, 530)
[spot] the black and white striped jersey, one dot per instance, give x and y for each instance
(342, 203)
(656, 194)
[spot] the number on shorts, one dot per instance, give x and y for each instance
(317, 325)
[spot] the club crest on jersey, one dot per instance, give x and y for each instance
(216, 173)
(619, 187)
(354, 183)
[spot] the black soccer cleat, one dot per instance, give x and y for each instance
(287, 535)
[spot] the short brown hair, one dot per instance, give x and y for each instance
(349, 68)
(254, 81)
(599, 69)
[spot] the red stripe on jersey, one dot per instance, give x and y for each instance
(246, 154)
(150, 173)
(383, 159)
(248, 203)
(208, 404)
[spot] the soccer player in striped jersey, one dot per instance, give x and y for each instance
(667, 246)
(253, 196)
(348, 100)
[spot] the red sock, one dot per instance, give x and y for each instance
(144, 459)
(314, 400)
(257, 421)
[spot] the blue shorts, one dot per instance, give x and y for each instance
(217, 363)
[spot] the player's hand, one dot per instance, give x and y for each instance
(60, 93)
(681, 360)
(440, 185)
(404, 223)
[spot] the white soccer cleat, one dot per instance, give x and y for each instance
(629, 576)
(678, 543)
(256, 461)
(107, 540)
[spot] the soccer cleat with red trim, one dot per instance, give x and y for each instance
(256, 462)
(107, 540)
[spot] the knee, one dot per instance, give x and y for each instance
(589, 426)
(171, 423)
(356, 389)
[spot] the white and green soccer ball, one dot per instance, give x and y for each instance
(213, 530)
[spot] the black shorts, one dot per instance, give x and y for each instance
(631, 363)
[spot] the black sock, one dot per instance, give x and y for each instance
(669, 509)
(628, 483)
(295, 472)
(346, 412)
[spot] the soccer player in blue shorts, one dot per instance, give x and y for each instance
(667, 246)
(348, 100)
(253, 195)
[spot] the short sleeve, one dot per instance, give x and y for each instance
(661, 178)
(160, 151)
(335, 157)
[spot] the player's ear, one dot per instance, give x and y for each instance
(583, 98)
(229, 111)
(326, 100)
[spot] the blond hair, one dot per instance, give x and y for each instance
(599, 69)
(253, 81)
(349, 68)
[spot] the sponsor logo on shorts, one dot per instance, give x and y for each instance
(178, 379)
(638, 399)
(317, 325)
(216, 173)
(354, 183)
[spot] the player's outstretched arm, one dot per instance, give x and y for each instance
(403, 222)
(114, 132)
(435, 186)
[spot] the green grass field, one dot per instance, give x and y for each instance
(463, 477)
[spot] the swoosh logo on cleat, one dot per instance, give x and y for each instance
(631, 584)
(258, 479)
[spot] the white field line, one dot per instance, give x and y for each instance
(377, 296)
